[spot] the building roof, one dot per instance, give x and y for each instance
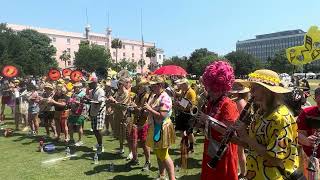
(276, 35)
(72, 34)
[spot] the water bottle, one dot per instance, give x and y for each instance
(96, 158)
(68, 152)
(111, 167)
(177, 168)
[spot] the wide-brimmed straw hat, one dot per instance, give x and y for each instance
(268, 79)
(182, 81)
(48, 85)
(156, 80)
(238, 87)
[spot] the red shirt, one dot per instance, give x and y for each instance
(227, 167)
(308, 112)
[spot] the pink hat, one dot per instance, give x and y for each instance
(218, 76)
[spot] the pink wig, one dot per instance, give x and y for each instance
(218, 76)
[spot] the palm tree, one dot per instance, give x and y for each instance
(151, 52)
(116, 44)
(65, 56)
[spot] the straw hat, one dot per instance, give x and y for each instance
(268, 79)
(124, 80)
(78, 84)
(48, 85)
(156, 80)
(182, 81)
(238, 87)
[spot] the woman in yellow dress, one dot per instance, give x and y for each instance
(272, 139)
(161, 133)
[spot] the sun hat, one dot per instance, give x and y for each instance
(78, 84)
(268, 79)
(182, 81)
(238, 87)
(156, 80)
(48, 85)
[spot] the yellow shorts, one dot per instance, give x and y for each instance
(162, 154)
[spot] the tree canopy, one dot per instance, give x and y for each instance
(92, 57)
(29, 50)
(243, 63)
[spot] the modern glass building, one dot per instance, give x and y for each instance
(267, 45)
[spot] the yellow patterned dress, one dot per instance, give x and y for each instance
(278, 133)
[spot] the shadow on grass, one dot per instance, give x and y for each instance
(190, 177)
(137, 176)
(192, 163)
(104, 168)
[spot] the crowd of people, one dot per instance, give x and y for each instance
(254, 128)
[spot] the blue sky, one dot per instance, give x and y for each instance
(177, 26)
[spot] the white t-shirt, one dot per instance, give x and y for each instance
(97, 95)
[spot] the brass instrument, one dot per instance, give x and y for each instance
(313, 161)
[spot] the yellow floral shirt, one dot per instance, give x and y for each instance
(278, 133)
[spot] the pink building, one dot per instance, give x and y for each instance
(131, 49)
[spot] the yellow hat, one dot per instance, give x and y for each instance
(156, 80)
(266, 78)
(238, 87)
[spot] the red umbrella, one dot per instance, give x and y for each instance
(171, 70)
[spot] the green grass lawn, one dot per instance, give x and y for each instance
(20, 159)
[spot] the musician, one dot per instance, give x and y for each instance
(109, 112)
(120, 100)
(140, 124)
(33, 110)
(21, 112)
(218, 79)
(7, 96)
(97, 111)
(240, 95)
(76, 119)
(46, 113)
(161, 134)
(272, 137)
(307, 130)
(59, 101)
(182, 119)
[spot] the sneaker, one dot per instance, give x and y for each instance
(161, 178)
(146, 166)
(130, 156)
(120, 151)
(95, 147)
(25, 129)
(100, 149)
(79, 143)
(133, 163)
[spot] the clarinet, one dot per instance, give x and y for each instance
(312, 159)
(229, 133)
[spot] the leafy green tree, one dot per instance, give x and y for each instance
(175, 60)
(150, 53)
(243, 63)
(65, 56)
(199, 59)
(280, 64)
(92, 57)
(29, 50)
(116, 44)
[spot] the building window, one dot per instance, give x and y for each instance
(54, 39)
(68, 41)
(69, 50)
(123, 46)
(124, 54)
(140, 55)
(69, 63)
(132, 60)
(132, 47)
(159, 56)
(132, 55)
(106, 44)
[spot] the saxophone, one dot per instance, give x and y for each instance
(312, 165)
(230, 131)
